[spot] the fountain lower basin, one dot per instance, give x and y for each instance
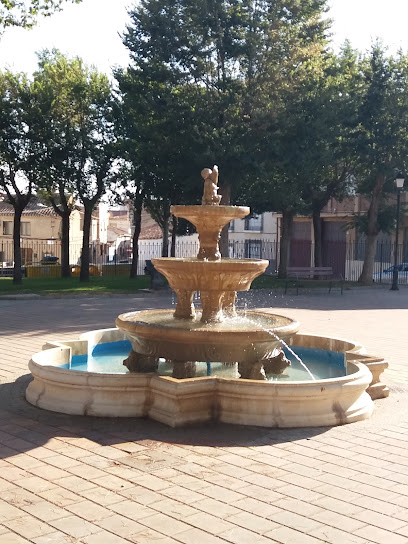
(178, 402)
(248, 338)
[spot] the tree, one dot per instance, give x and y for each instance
(76, 137)
(381, 139)
(326, 117)
(227, 62)
(25, 13)
(19, 153)
(53, 90)
(93, 149)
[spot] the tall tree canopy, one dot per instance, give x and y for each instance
(381, 140)
(24, 13)
(207, 80)
(19, 151)
(54, 90)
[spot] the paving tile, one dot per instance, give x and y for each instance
(112, 482)
(9, 512)
(175, 509)
(380, 520)
(141, 495)
(339, 521)
(132, 510)
(196, 536)
(380, 536)
(239, 535)
(101, 496)
(164, 524)
(104, 537)
(88, 510)
(286, 535)
(12, 538)
(253, 522)
(75, 526)
(75, 484)
(120, 525)
(254, 506)
(45, 511)
(28, 526)
(59, 496)
(53, 538)
(217, 508)
(209, 523)
(337, 536)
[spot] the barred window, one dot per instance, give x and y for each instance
(7, 228)
(255, 222)
(25, 228)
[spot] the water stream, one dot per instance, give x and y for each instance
(295, 355)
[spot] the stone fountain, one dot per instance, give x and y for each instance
(214, 334)
(217, 333)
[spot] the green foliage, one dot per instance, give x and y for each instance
(19, 151)
(381, 140)
(206, 83)
(24, 13)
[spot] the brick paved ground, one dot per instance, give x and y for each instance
(67, 480)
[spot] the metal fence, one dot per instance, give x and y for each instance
(346, 259)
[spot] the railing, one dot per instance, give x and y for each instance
(346, 259)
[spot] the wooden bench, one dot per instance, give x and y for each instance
(296, 273)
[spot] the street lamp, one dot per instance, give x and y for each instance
(399, 182)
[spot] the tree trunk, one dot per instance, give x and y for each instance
(65, 268)
(84, 275)
(286, 235)
(366, 276)
(137, 218)
(166, 221)
(225, 191)
(17, 274)
(173, 237)
(318, 238)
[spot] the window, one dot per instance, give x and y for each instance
(25, 228)
(231, 226)
(8, 228)
(253, 249)
(255, 222)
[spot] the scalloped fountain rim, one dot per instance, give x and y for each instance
(177, 402)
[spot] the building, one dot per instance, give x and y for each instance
(40, 233)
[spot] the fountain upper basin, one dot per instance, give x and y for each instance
(201, 216)
(242, 339)
(198, 275)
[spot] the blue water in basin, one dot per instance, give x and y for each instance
(108, 358)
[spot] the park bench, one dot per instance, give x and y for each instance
(297, 273)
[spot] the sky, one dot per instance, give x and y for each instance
(91, 30)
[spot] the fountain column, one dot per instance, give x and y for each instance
(183, 369)
(228, 303)
(185, 307)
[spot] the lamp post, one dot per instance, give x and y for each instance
(399, 182)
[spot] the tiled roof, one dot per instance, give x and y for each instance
(32, 208)
(150, 229)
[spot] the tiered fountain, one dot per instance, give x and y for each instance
(185, 338)
(216, 333)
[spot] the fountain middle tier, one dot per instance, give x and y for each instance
(245, 339)
(217, 282)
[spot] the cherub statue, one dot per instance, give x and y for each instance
(210, 196)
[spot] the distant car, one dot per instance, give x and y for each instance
(386, 276)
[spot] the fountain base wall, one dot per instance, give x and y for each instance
(176, 402)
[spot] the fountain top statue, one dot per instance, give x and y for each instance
(209, 217)
(210, 195)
